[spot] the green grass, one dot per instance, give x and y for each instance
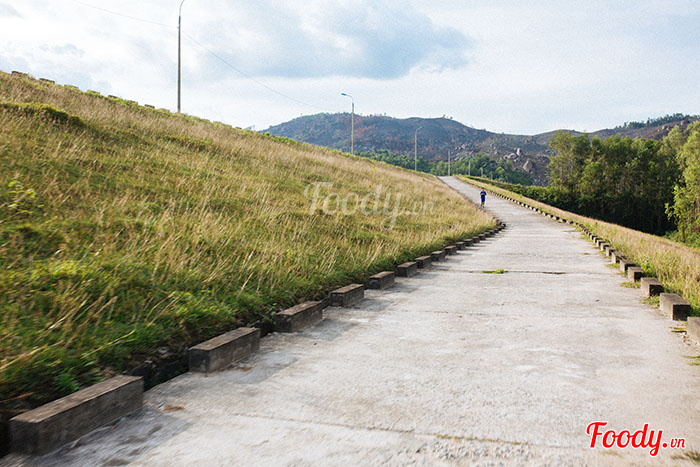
(495, 271)
(126, 229)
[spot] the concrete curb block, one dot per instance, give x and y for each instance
(615, 257)
(651, 286)
(438, 255)
(634, 273)
(451, 250)
(46, 428)
(625, 265)
(219, 352)
(348, 295)
(382, 280)
(460, 245)
(674, 306)
(693, 328)
(407, 269)
(299, 316)
(423, 262)
(468, 242)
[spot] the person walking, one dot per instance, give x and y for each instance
(483, 198)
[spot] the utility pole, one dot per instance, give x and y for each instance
(415, 149)
(352, 123)
(179, 57)
(470, 166)
(448, 163)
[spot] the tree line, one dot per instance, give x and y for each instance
(672, 118)
(644, 184)
(501, 170)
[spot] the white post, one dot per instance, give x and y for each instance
(179, 57)
(352, 123)
(415, 149)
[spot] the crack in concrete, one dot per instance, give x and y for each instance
(508, 271)
(399, 431)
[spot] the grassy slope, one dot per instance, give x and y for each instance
(676, 265)
(124, 230)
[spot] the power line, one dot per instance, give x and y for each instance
(245, 75)
(123, 15)
(217, 56)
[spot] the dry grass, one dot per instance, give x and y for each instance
(677, 266)
(125, 229)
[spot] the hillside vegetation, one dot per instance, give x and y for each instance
(499, 170)
(376, 134)
(130, 232)
(640, 183)
(524, 155)
(677, 266)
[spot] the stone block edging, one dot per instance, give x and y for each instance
(693, 328)
(407, 269)
(219, 352)
(302, 315)
(674, 306)
(348, 295)
(381, 280)
(48, 427)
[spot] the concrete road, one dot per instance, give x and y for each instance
(454, 366)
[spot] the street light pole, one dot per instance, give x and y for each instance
(352, 123)
(179, 56)
(415, 149)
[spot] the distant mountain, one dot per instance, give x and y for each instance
(527, 153)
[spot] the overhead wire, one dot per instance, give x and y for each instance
(247, 76)
(208, 50)
(123, 15)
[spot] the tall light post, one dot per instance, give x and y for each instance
(415, 149)
(179, 56)
(448, 159)
(352, 123)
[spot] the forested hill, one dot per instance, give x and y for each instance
(380, 132)
(527, 153)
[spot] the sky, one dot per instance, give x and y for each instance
(525, 67)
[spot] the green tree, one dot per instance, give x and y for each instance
(686, 200)
(565, 169)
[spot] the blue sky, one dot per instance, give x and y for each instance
(510, 66)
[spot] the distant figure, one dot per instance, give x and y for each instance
(483, 197)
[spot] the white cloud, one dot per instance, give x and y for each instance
(361, 38)
(507, 66)
(8, 11)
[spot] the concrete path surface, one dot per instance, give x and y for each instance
(453, 366)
